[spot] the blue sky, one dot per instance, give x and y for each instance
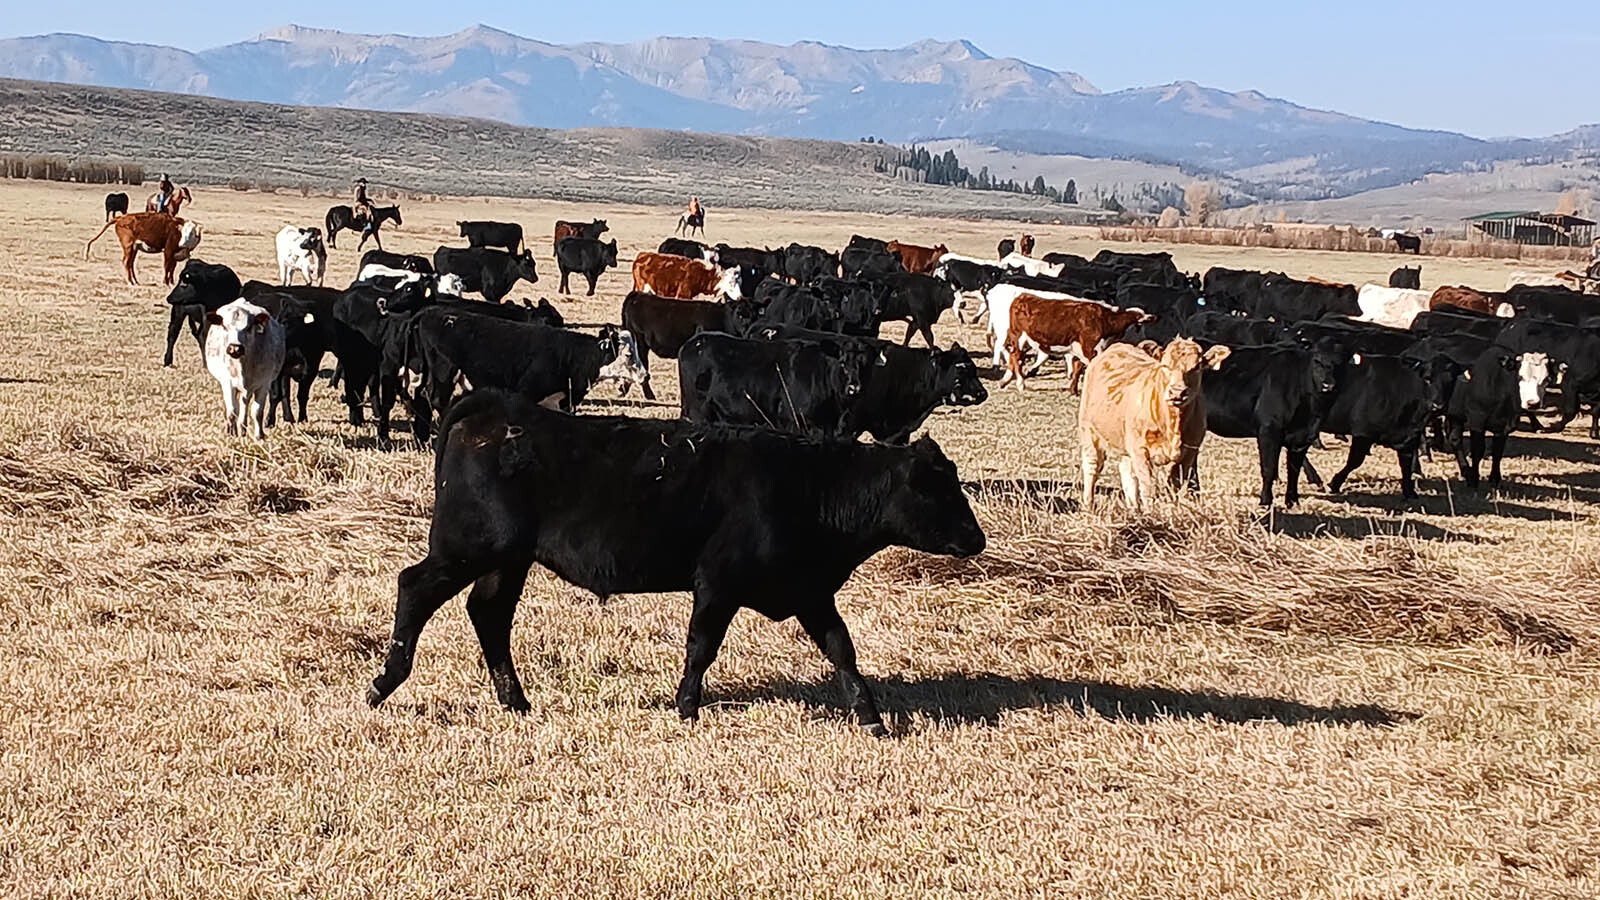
(1411, 63)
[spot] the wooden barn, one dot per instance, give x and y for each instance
(1540, 229)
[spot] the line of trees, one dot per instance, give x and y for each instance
(920, 165)
(1200, 201)
(58, 168)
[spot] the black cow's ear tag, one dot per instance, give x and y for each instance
(1467, 375)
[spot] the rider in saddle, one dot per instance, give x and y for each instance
(695, 211)
(361, 206)
(164, 192)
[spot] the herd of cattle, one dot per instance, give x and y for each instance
(772, 498)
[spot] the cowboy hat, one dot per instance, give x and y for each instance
(360, 181)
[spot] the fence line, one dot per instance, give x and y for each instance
(59, 168)
(1350, 240)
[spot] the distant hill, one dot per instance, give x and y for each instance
(927, 90)
(218, 141)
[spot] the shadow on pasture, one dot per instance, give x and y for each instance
(982, 699)
(7, 379)
(1458, 502)
(1055, 496)
(1551, 447)
(1314, 525)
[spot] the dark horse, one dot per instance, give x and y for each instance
(341, 217)
(687, 223)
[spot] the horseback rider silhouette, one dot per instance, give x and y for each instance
(164, 192)
(361, 205)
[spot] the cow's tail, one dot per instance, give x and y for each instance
(97, 237)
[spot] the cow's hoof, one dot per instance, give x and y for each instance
(875, 729)
(375, 697)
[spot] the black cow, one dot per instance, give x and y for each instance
(861, 242)
(860, 303)
(586, 256)
(1407, 243)
(371, 327)
(1454, 319)
(688, 249)
(780, 303)
(919, 300)
(865, 262)
(507, 235)
(1234, 290)
(541, 313)
(742, 518)
(202, 288)
(1066, 259)
(1277, 395)
(799, 387)
(904, 388)
(492, 273)
(1353, 337)
(309, 331)
(663, 325)
(1006, 247)
(803, 264)
(405, 261)
(1381, 400)
(1553, 302)
(116, 205)
(550, 365)
(1209, 327)
(1408, 277)
(829, 304)
(766, 263)
(1289, 300)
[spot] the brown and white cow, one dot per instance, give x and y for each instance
(152, 232)
(1150, 409)
(1469, 299)
(917, 260)
(1078, 328)
(681, 278)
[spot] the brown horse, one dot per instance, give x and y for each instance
(174, 203)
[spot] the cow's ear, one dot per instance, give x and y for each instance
(1213, 358)
(214, 318)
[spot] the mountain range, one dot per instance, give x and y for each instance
(924, 91)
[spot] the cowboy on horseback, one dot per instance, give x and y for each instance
(164, 193)
(361, 205)
(692, 218)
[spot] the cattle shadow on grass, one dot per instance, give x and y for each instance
(982, 700)
(1316, 525)
(1552, 448)
(1054, 496)
(1458, 501)
(7, 379)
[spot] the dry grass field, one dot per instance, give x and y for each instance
(1355, 699)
